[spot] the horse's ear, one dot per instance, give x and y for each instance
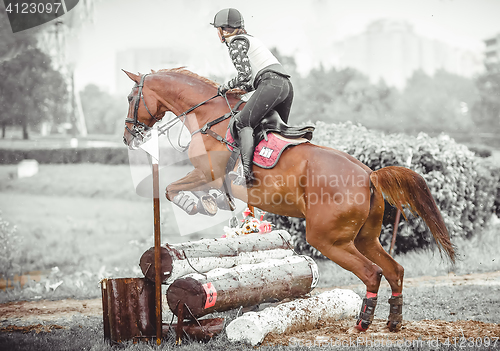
(132, 76)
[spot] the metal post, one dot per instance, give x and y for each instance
(157, 234)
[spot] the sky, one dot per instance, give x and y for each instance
(301, 28)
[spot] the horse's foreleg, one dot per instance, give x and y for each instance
(193, 180)
(367, 242)
(205, 203)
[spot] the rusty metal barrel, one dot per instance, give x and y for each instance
(128, 306)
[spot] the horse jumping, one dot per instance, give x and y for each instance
(341, 199)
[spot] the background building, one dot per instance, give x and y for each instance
(492, 54)
(390, 50)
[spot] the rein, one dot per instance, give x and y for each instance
(203, 130)
(206, 128)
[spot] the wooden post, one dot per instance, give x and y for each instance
(157, 235)
(252, 210)
(395, 232)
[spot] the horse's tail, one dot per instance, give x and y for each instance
(404, 187)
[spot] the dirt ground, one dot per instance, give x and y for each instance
(460, 310)
(460, 298)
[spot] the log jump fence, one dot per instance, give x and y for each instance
(218, 275)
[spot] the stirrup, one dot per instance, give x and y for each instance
(207, 205)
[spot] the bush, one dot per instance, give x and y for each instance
(9, 249)
(464, 187)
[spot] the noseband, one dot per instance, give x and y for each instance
(139, 127)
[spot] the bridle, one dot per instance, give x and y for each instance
(139, 129)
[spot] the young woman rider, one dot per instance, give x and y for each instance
(258, 69)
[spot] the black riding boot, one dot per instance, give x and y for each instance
(245, 136)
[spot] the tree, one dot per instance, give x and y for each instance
(30, 90)
(486, 110)
(10, 45)
(102, 110)
(342, 95)
(438, 103)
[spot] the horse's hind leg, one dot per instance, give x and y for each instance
(367, 242)
(334, 237)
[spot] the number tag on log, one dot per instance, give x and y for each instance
(211, 295)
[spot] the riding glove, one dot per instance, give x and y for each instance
(222, 89)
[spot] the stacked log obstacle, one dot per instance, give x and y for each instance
(204, 255)
(217, 275)
(223, 289)
(301, 314)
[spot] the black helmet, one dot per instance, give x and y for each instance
(228, 18)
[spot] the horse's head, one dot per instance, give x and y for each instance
(143, 112)
(174, 90)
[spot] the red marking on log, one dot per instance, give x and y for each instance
(211, 294)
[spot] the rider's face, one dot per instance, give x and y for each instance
(221, 37)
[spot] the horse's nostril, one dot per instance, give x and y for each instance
(125, 141)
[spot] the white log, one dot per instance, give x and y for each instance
(205, 264)
(208, 254)
(252, 327)
(277, 239)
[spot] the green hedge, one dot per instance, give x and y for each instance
(104, 155)
(465, 188)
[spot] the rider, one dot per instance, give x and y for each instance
(258, 69)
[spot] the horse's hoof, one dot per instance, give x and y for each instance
(394, 326)
(362, 325)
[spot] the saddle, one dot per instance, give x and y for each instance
(271, 137)
(272, 123)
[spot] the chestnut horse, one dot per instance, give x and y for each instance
(341, 199)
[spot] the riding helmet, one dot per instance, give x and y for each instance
(228, 18)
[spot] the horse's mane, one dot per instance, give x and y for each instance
(183, 70)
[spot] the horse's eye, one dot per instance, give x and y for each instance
(129, 98)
